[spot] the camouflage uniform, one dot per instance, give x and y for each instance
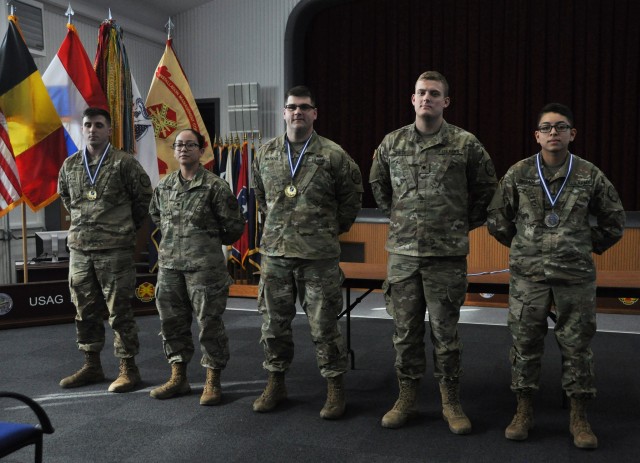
(101, 238)
(196, 218)
(554, 266)
(300, 247)
(434, 191)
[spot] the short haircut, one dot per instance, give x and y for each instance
(300, 91)
(92, 112)
(558, 108)
(198, 135)
(435, 75)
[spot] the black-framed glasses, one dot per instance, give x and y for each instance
(560, 127)
(303, 107)
(188, 146)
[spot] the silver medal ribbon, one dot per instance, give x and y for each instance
(92, 178)
(554, 199)
(294, 169)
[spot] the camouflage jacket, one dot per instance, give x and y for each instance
(195, 219)
(562, 253)
(329, 196)
(123, 192)
(433, 191)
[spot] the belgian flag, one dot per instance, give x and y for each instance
(34, 127)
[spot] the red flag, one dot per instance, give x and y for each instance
(241, 247)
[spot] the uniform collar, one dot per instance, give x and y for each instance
(440, 138)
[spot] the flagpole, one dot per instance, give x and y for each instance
(25, 271)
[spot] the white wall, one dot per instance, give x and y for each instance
(231, 41)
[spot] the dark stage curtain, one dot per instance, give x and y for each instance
(504, 60)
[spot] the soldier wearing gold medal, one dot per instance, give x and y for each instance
(541, 211)
(310, 191)
(107, 194)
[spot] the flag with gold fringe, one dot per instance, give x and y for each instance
(132, 128)
(34, 127)
(173, 108)
(112, 67)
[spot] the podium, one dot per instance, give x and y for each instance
(45, 299)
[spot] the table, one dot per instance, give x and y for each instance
(369, 277)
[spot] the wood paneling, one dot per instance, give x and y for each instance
(486, 252)
(374, 236)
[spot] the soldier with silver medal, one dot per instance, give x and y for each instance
(552, 219)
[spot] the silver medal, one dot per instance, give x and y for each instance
(552, 220)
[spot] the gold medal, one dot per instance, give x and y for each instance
(92, 195)
(290, 191)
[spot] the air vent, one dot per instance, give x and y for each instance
(29, 15)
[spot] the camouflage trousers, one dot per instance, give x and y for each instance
(103, 282)
(318, 286)
(575, 306)
(414, 284)
(179, 295)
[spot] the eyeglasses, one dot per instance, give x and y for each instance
(560, 127)
(188, 146)
(303, 107)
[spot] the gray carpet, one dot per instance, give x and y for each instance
(93, 425)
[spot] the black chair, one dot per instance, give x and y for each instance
(14, 436)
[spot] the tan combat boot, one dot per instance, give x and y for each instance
(583, 436)
(177, 384)
(128, 378)
(335, 405)
(91, 372)
(451, 408)
(212, 392)
(522, 421)
(274, 393)
(405, 406)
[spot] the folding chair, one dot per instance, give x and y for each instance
(14, 436)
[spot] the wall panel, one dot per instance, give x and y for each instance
(231, 41)
(487, 254)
